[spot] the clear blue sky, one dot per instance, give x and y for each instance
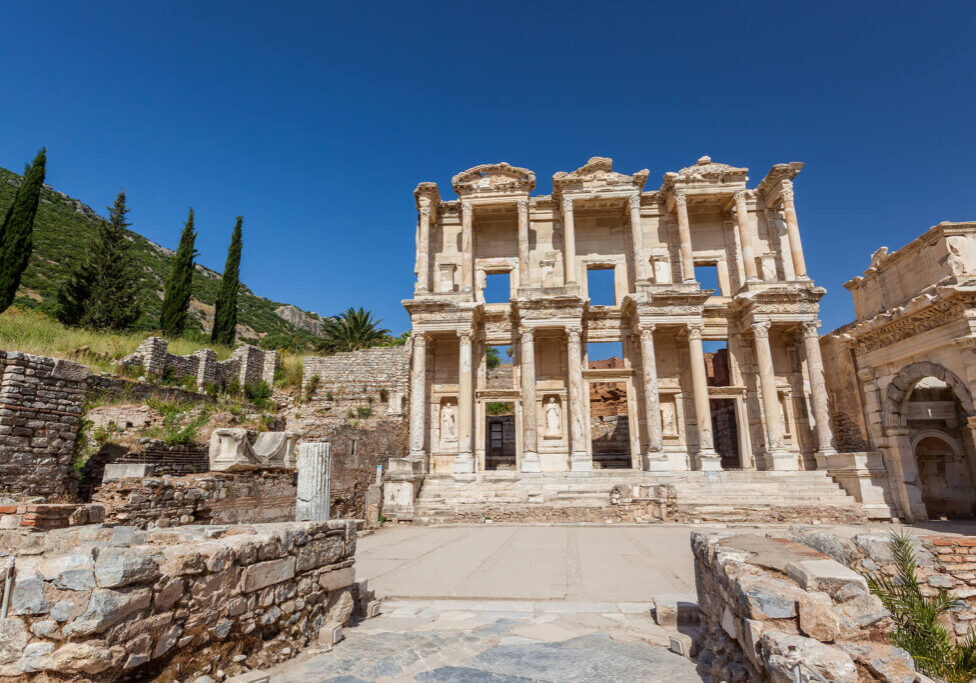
(316, 120)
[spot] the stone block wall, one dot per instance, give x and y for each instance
(769, 605)
(247, 364)
(212, 498)
(40, 412)
(44, 516)
(843, 390)
(104, 603)
(103, 386)
(361, 378)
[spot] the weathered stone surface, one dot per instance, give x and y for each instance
(781, 651)
(320, 552)
(766, 597)
(887, 662)
(118, 567)
(335, 580)
(75, 658)
(824, 575)
(818, 618)
(69, 572)
(861, 612)
(13, 639)
(268, 573)
(107, 608)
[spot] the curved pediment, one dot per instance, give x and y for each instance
(707, 171)
(491, 179)
(598, 174)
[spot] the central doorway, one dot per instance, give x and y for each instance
(609, 425)
(500, 435)
(725, 431)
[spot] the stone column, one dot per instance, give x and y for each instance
(793, 234)
(464, 462)
(314, 482)
(418, 398)
(818, 394)
(467, 247)
(423, 251)
(637, 237)
(745, 237)
(569, 242)
(530, 421)
(684, 238)
(708, 459)
(579, 457)
(523, 242)
(654, 456)
(778, 458)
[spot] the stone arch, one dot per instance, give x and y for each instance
(904, 382)
(949, 440)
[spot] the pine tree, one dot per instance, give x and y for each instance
(17, 229)
(112, 303)
(176, 294)
(225, 315)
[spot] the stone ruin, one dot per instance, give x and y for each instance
(232, 451)
(247, 365)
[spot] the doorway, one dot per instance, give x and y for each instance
(725, 430)
(946, 491)
(499, 435)
(609, 425)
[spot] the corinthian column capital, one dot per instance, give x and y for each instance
(467, 209)
(680, 199)
(522, 205)
(464, 336)
(634, 201)
(810, 328)
(567, 205)
(647, 332)
(419, 339)
(527, 334)
(760, 329)
(695, 330)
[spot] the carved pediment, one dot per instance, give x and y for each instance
(597, 175)
(705, 171)
(502, 178)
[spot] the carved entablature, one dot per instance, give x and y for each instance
(499, 326)
(657, 308)
(493, 180)
(778, 303)
(598, 177)
(899, 324)
(433, 315)
(778, 180)
(554, 311)
(427, 195)
(705, 183)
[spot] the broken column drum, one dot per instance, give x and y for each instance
(314, 482)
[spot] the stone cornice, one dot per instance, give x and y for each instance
(897, 324)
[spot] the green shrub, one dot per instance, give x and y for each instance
(312, 387)
(364, 411)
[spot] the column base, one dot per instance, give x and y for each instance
(655, 461)
(782, 460)
(824, 457)
(530, 462)
(580, 462)
(464, 464)
(709, 461)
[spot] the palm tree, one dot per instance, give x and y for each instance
(351, 330)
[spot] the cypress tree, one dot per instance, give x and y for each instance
(17, 230)
(225, 315)
(73, 294)
(112, 302)
(176, 294)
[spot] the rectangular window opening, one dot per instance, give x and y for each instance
(498, 288)
(707, 276)
(501, 370)
(718, 370)
(600, 286)
(602, 355)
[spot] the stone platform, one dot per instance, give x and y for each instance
(636, 496)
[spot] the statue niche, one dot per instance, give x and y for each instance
(553, 412)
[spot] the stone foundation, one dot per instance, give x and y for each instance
(174, 603)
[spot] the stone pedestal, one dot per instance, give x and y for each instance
(314, 482)
(864, 476)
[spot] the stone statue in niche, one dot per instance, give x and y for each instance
(553, 418)
(448, 423)
(669, 425)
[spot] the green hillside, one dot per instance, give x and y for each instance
(62, 232)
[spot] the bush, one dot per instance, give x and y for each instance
(311, 388)
(364, 411)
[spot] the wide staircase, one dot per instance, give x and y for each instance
(727, 496)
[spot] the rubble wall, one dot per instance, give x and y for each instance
(768, 604)
(211, 498)
(247, 364)
(377, 377)
(103, 603)
(40, 413)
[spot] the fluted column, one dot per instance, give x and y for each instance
(314, 485)
(708, 459)
(684, 238)
(418, 398)
(579, 456)
(467, 247)
(464, 462)
(778, 458)
(530, 422)
(423, 251)
(818, 393)
(523, 242)
(637, 237)
(745, 237)
(793, 234)
(569, 242)
(654, 456)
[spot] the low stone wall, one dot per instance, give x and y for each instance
(174, 603)
(769, 605)
(377, 378)
(106, 386)
(212, 498)
(44, 516)
(247, 364)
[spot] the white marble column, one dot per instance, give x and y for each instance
(684, 238)
(818, 393)
(778, 458)
(745, 237)
(708, 459)
(314, 486)
(569, 242)
(579, 456)
(418, 398)
(530, 421)
(523, 242)
(467, 247)
(637, 237)
(654, 457)
(793, 234)
(464, 462)
(423, 251)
